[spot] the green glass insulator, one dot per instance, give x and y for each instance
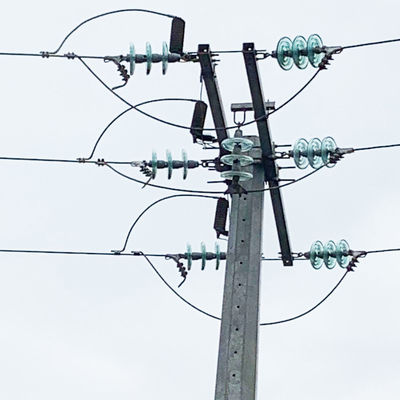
(314, 153)
(317, 254)
(330, 254)
(132, 55)
(149, 58)
(300, 153)
(170, 165)
(203, 255)
(217, 255)
(327, 149)
(189, 256)
(299, 50)
(164, 58)
(314, 44)
(243, 176)
(230, 159)
(342, 253)
(153, 165)
(230, 143)
(185, 164)
(284, 53)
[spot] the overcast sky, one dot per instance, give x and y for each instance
(105, 328)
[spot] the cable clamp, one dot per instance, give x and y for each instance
(180, 266)
(70, 56)
(81, 160)
(100, 162)
(45, 54)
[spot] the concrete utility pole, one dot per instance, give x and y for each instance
(237, 360)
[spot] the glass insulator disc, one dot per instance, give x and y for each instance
(314, 153)
(284, 53)
(314, 43)
(342, 253)
(300, 53)
(330, 254)
(300, 153)
(316, 254)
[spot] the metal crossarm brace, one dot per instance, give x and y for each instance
(267, 151)
(214, 97)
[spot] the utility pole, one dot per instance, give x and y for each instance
(237, 359)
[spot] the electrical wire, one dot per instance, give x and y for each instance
(152, 205)
(60, 160)
(369, 44)
(310, 310)
(377, 147)
(78, 253)
(381, 251)
(184, 126)
(132, 108)
(103, 15)
(209, 191)
(177, 294)
(297, 93)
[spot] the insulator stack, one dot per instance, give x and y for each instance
(330, 254)
(170, 164)
(314, 153)
(149, 58)
(237, 145)
(204, 256)
(300, 52)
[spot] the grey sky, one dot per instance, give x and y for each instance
(105, 328)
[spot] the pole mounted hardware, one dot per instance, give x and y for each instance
(267, 150)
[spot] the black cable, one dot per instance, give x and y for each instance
(78, 253)
(176, 293)
(105, 14)
(297, 93)
(60, 160)
(369, 44)
(188, 127)
(45, 55)
(132, 108)
(153, 204)
(209, 191)
(381, 251)
(311, 309)
(377, 147)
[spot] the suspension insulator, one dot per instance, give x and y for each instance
(132, 60)
(230, 159)
(299, 50)
(203, 255)
(284, 53)
(343, 253)
(230, 143)
(170, 164)
(188, 256)
(153, 165)
(314, 50)
(149, 58)
(164, 58)
(300, 153)
(328, 148)
(314, 153)
(330, 254)
(317, 254)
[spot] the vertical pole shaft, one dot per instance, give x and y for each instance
(237, 359)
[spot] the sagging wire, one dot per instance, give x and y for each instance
(149, 207)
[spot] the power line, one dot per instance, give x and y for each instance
(152, 205)
(377, 147)
(78, 253)
(310, 310)
(382, 251)
(353, 46)
(184, 126)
